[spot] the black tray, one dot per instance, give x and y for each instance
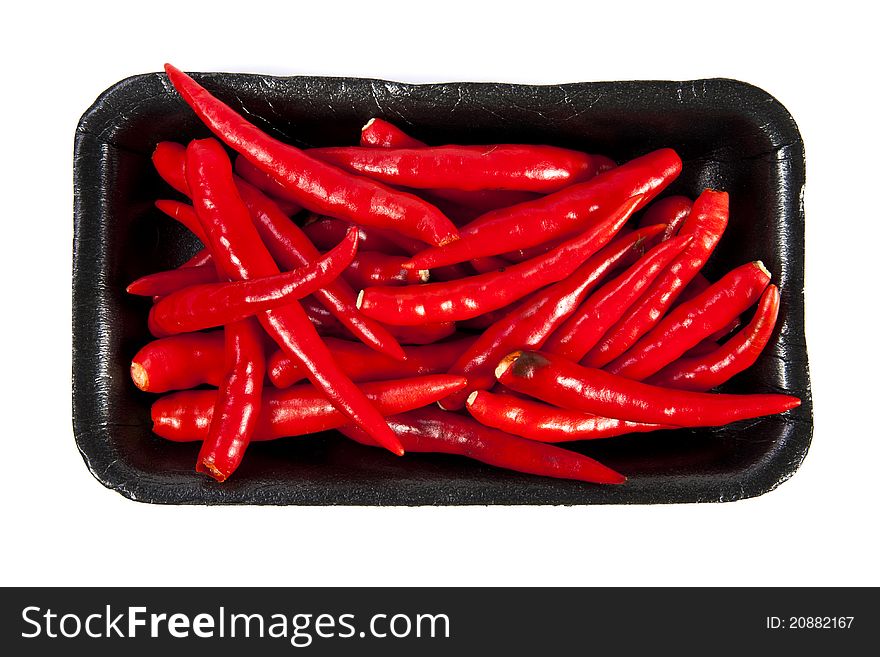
(731, 136)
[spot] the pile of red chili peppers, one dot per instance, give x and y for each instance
(537, 294)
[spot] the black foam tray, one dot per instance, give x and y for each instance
(731, 136)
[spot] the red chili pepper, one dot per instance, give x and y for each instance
(726, 330)
(707, 371)
(582, 330)
(465, 206)
(486, 320)
(547, 424)
(706, 223)
(381, 134)
(707, 346)
(511, 167)
(240, 254)
(529, 324)
(324, 232)
(326, 324)
(238, 401)
(316, 186)
(556, 215)
(172, 280)
(473, 296)
(672, 211)
(287, 244)
(687, 325)
(521, 255)
(297, 411)
(434, 431)
(181, 212)
(268, 185)
(488, 264)
(375, 268)
(697, 286)
(290, 247)
(166, 159)
(216, 304)
(179, 362)
(558, 381)
(203, 257)
(622, 251)
(361, 364)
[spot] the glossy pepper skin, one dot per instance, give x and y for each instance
(711, 369)
(434, 431)
(687, 325)
(238, 401)
(287, 244)
(476, 295)
(706, 223)
(374, 268)
(267, 185)
(583, 329)
(181, 212)
(290, 247)
(623, 250)
(327, 325)
(671, 211)
(202, 257)
(544, 423)
(557, 215)
(530, 324)
(509, 167)
(362, 364)
(215, 304)
(169, 159)
(698, 285)
(318, 187)
(558, 381)
(489, 263)
(326, 231)
(240, 254)
(382, 134)
(297, 411)
(179, 362)
(165, 282)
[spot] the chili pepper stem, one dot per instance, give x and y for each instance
(210, 469)
(506, 362)
(139, 376)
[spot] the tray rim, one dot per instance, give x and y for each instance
(95, 120)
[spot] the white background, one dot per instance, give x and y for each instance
(60, 526)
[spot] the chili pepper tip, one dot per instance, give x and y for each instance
(360, 299)
(472, 397)
(368, 124)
